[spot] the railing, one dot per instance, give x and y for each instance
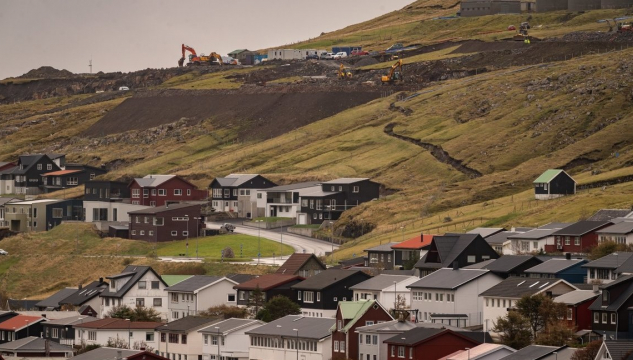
(279, 201)
(70, 342)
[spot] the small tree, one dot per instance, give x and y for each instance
(138, 345)
(228, 253)
(225, 312)
(409, 264)
(139, 313)
(278, 307)
(514, 330)
(117, 343)
(589, 352)
(256, 300)
(539, 310)
(121, 312)
(555, 334)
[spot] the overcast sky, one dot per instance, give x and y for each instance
(128, 35)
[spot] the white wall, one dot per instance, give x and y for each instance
(122, 209)
(214, 295)
(134, 293)
(324, 352)
(7, 187)
(103, 336)
(234, 343)
(308, 312)
(188, 351)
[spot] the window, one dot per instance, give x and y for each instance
(604, 318)
(183, 339)
(596, 318)
(231, 298)
(55, 333)
(145, 193)
(355, 189)
(374, 340)
(570, 314)
(308, 296)
(340, 323)
(185, 233)
(178, 192)
(567, 242)
(393, 351)
(174, 297)
(206, 340)
(149, 336)
(159, 221)
(140, 302)
(369, 322)
(336, 346)
(174, 233)
(58, 213)
(318, 296)
(162, 192)
(605, 295)
(613, 318)
(188, 192)
(158, 302)
(299, 295)
(173, 338)
(39, 166)
(135, 192)
(92, 335)
(400, 351)
(142, 232)
(72, 181)
(49, 167)
(471, 259)
(342, 347)
(142, 284)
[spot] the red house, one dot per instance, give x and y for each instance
(577, 238)
(426, 343)
(349, 316)
(578, 315)
(158, 190)
(166, 223)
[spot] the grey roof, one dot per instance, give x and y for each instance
(485, 232)
(4, 200)
(136, 272)
(507, 263)
(516, 287)
(609, 214)
(196, 283)
(414, 336)
(480, 265)
(554, 266)
(448, 278)
(230, 325)
(576, 297)
(296, 186)
(581, 228)
(383, 247)
(535, 234)
(53, 300)
(398, 272)
(240, 278)
(153, 180)
(81, 319)
(34, 345)
(625, 227)
(309, 327)
(618, 349)
(345, 181)
(626, 267)
(325, 279)
(611, 261)
(532, 352)
(500, 237)
(554, 225)
(159, 209)
(315, 191)
(615, 304)
(187, 324)
(379, 282)
(105, 353)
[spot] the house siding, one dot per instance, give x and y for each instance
(153, 199)
(184, 229)
(331, 295)
(435, 348)
(351, 337)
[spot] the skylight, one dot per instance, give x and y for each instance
(534, 283)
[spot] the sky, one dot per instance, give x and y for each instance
(128, 35)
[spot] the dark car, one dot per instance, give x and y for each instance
(312, 57)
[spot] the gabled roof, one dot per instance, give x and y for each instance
(344, 181)
(160, 209)
(382, 282)
(5, 200)
(507, 263)
(415, 243)
(382, 248)
(267, 282)
(113, 323)
(53, 300)
(20, 322)
(197, 283)
(485, 232)
(517, 287)
(241, 278)
(535, 234)
(153, 180)
(615, 303)
(354, 310)
(618, 349)
(549, 175)
(609, 214)
(581, 228)
(624, 228)
(136, 272)
(326, 279)
(480, 265)
(554, 266)
(289, 187)
(73, 320)
(296, 261)
(500, 237)
(34, 344)
(576, 297)
(105, 353)
(611, 261)
(448, 278)
(309, 327)
(235, 180)
(421, 334)
(187, 324)
(449, 247)
(533, 352)
(230, 325)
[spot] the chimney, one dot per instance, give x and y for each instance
(119, 355)
(455, 265)
(596, 288)
(100, 279)
(568, 256)
(79, 287)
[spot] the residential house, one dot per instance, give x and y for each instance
(270, 284)
(371, 337)
(552, 184)
(20, 327)
(610, 311)
(319, 295)
(610, 214)
(304, 265)
(621, 233)
(408, 252)
(386, 289)
(534, 240)
(166, 223)
(606, 269)
(451, 296)
(351, 315)
(500, 241)
(35, 347)
(198, 293)
(102, 353)
(577, 238)
(160, 190)
(27, 175)
(228, 339)
(104, 190)
(353, 192)
(237, 193)
(284, 201)
(108, 331)
(355, 262)
(135, 286)
(4, 201)
(292, 336)
(486, 232)
(180, 339)
(426, 343)
(615, 349)
(7, 180)
(52, 302)
(568, 269)
(235, 54)
(503, 296)
(578, 315)
(108, 201)
(381, 256)
(23, 216)
(64, 210)
(62, 331)
(73, 175)
(86, 298)
(541, 352)
(511, 265)
(484, 351)
(465, 249)
(4, 165)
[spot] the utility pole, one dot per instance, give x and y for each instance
(90, 65)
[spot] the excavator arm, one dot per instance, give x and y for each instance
(184, 49)
(391, 76)
(217, 56)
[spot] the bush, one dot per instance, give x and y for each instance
(228, 253)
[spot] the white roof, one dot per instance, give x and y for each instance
(33, 202)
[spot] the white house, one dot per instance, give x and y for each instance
(385, 288)
(371, 337)
(607, 268)
(503, 296)
(109, 210)
(621, 233)
(180, 339)
(109, 331)
(3, 202)
(135, 286)
(533, 240)
(199, 293)
(227, 339)
(614, 349)
(450, 296)
(284, 201)
(292, 336)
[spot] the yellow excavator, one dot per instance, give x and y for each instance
(194, 59)
(395, 74)
(344, 72)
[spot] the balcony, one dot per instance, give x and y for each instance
(279, 201)
(335, 208)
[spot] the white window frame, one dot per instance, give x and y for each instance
(177, 192)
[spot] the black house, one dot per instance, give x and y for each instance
(100, 190)
(612, 311)
(64, 210)
(271, 285)
(74, 175)
(383, 256)
(511, 265)
(19, 327)
(554, 183)
(455, 249)
(28, 174)
(232, 193)
(324, 290)
(62, 331)
(85, 296)
(357, 190)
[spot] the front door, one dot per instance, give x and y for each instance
(273, 211)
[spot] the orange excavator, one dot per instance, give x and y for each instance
(395, 74)
(196, 60)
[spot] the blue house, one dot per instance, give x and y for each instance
(568, 269)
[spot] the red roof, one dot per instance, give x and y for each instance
(295, 262)
(20, 322)
(111, 323)
(267, 282)
(61, 172)
(415, 243)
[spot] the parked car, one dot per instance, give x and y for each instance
(123, 88)
(228, 227)
(327, 56)
(3, 252)
(395, 47)
(359, 53)
(340, 55)
(511, 28)
(312, 57)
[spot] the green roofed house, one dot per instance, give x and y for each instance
(554, 183)
(174, 279)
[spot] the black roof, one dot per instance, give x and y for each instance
(54, 300)
(581, 228)
(507, 263)
(615, 304)
(85, 294)
(326, 279)
(240, 278)
(187, 324)
(136, 272)
(16, 304)
(449, 247)
(533, 352)
(618, 349)
(500, 237)
(419, 334)
(516, 287)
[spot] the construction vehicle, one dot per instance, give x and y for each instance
(196, 60)
(395, 74)
(344, 72)
(522, 35)
(625, 27)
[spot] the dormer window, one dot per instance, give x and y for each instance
(49, 167)
(112, 284)
(605, 296)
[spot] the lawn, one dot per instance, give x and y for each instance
(244, 247)
(270, 219)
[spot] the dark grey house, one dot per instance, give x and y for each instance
(62, 331)
(28, 173)
(62, 210)
(235, 193)
(100, 190)
(51, 303)
(552, 184)
(383, 256)
(74, 175)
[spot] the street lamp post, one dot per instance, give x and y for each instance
(297, 342)
(187, 216)
(218, 341)
(332, 241)
(259, 240)
(395, 297)
(198, 226)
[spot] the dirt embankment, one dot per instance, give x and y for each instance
(255, 115)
